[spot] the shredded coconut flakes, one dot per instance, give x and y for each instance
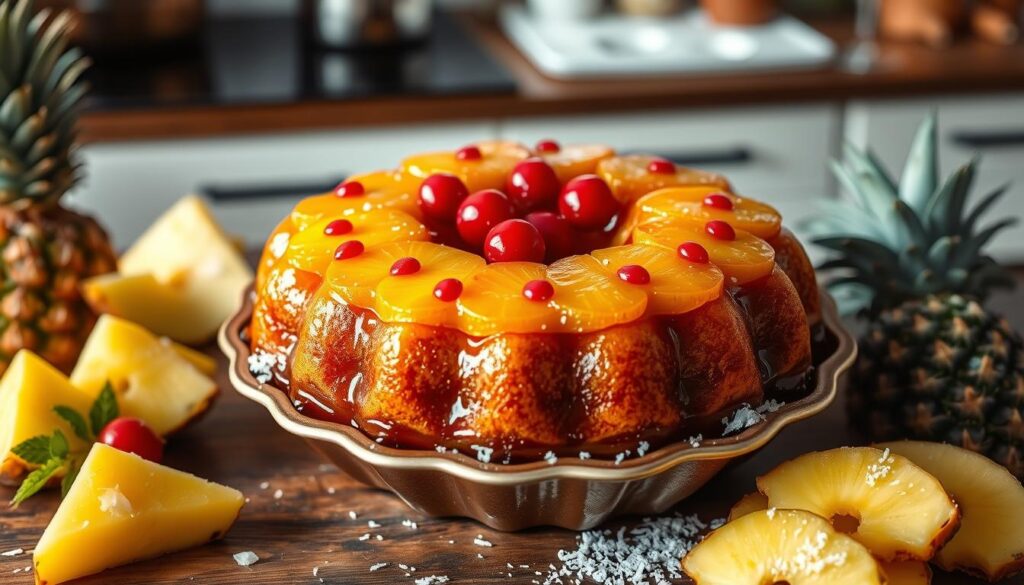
(246, 559)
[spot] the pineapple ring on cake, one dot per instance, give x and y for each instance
(313, 249)
(481, 165)
(895, 508)
(703, 204)
(781, 546)
(632, 176)
(991, 537)
(359, 194)
(576, 159)
(674, 285)
(744, 259)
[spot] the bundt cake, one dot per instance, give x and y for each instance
(513, 303)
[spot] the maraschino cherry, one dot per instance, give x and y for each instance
(634, 274)
(587, 202)
(349, 250)
(693, 252)
(405, 266)
(660, 166)
(448, 290)
(338, 227)
(440, 196)
(480, 212)
(557, 233)
(131, 435)
(469, 153)
(720, 230)
(514, 240)
(532, 184)
(538, 290)
(350, 189)
(718, 201)
(547, 146)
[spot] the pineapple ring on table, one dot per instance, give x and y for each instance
(990, 541)
(313, 248)
(752, 502)
(574, 160)
(688, 204)
(482, 165)
(883, 500)
(781, 546)
(377, 190)
(631, 176)
(745, 259)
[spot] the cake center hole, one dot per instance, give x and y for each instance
(845, 523)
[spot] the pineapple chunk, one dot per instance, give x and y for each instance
(895, 508)
(153, 382)
(781, 546)
(202, 362)
(749, 503)
(182, 278)
(991, 537)
(123, 508)
(29, 390)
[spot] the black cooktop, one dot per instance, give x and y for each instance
(270, 61)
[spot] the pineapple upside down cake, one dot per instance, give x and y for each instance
(512, 303)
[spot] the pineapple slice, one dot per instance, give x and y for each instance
(381, 190)
(991, 537)
(687, 203)
(495, 301)
(576, 159)
(676, 286)
(743, 260)
(313, 249)
(781, 546)
(123, 508)
(411, 298)
(589, 299)
(202, 362)
(753, 502)
(907, 572)
(152, 381)
(883, 500)
(487, 171)
(29, 390)
(182, 278)
(630, 178)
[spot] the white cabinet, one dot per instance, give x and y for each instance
(128, 184)
(989, 126)
(778, 154)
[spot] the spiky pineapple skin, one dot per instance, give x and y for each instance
(942, 369)
(46, 251)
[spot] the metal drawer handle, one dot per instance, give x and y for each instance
(993, 139)
(254, 192)
(737, 155)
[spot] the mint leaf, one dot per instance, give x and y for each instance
(78, 424)
(35, 450)
(69, 478)
(37, 480)
(58, 445)
(104, 409)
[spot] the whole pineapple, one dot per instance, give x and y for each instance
(46, 250)
(934, 364)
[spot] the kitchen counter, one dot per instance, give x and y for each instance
(900, 70)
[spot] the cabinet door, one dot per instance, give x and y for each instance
(991, 127)
(254, 180)
(778, 154)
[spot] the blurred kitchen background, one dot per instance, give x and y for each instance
(257, 103)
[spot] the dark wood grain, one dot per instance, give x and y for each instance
(969, 66)
(309, 526)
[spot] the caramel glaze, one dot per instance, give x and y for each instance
(515, 397)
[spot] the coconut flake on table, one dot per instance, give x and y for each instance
(377, 566)
(13, 553)
(479, 541)
(246, 558)
(647, 553)
(432, 580)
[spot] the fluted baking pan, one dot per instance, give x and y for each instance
(571, 493)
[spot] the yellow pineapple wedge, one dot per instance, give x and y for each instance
(990, 542)
(781, 546)
(151, 379)
(907, 572)
(754, 502)
(884, 501)
(123, 508)
(182, 278)
(29, 390)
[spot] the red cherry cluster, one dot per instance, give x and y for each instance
(536, 219)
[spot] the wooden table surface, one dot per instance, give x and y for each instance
(307, 524)
(900, 69)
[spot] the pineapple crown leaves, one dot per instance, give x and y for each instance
(895, 241)
(41, 89)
